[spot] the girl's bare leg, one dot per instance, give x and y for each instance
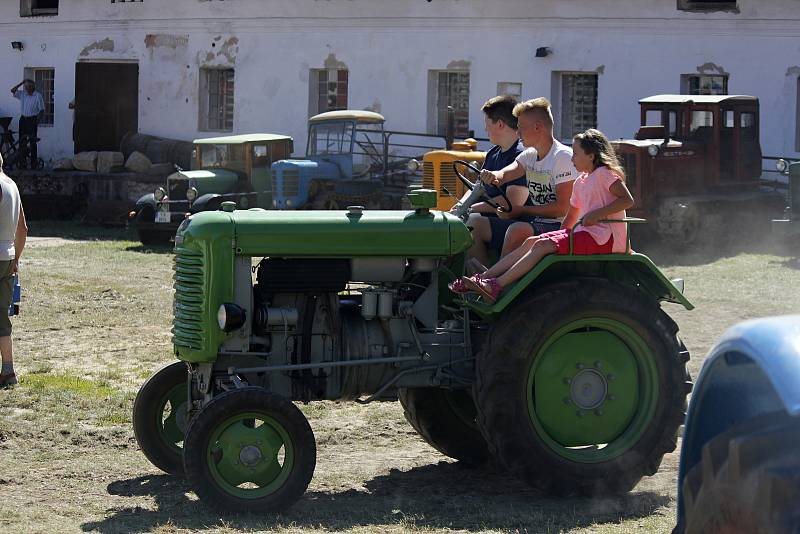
(541, 248)
(511, 258)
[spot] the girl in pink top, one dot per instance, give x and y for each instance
(599, 193)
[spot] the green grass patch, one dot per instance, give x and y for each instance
(64, 383)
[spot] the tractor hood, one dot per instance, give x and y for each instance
(205, 181)
(316, 167)
(347, 234)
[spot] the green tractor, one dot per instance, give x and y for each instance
(574, 380)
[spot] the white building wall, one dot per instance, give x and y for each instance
(637, 49)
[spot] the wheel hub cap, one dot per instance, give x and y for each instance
(588, 389)
(250, 455)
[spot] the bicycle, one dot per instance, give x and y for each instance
(16, 153)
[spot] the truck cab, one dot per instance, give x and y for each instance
(347, 162)
(224, 168)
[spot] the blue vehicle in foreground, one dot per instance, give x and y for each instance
(740, 458)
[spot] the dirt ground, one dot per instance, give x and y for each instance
(95, 324)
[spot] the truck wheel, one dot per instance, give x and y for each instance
(748, 480)
(249, 450)
(446, 421)
(581, 387)
(160, 417)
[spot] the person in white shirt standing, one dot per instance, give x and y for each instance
(13, 233)
(32, 105)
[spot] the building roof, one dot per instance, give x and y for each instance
(238, 139)
(360, 116)
(697, 99)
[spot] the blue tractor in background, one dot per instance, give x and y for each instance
(740, 458)
(349, 161)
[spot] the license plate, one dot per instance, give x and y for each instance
(162, 216)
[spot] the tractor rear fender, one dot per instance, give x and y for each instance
(753, 370)
(630, 269)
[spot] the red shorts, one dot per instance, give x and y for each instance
(582, 242)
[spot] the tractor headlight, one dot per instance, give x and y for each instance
(160, 194)
(652, 150)
(191, 194)
(413, 165)
(230, 317)
(781, 165)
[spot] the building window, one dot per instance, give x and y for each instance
(448, 90)
(216, 99)
(708, 5)
(327, 90)
(34, 8)
(576, 97)
(510, 88)
(45, 82)
(704, 84)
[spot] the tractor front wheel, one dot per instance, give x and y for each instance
(160, 417)
(446, 421)
(249, 450)
(581, 387)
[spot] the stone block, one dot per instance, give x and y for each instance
(161, 168)
(85, 161)
(106, 161)
(138, 162)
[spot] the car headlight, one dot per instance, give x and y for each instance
(160, 194)
(191, 194)
(289, 203)
(230, 317)
(652, 150)
(781, 165)
(413, 165)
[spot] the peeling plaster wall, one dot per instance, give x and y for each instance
(390, 46)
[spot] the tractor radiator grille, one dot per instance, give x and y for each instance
(447, 179)
(286, 183)
(187, 328)
(427, 175)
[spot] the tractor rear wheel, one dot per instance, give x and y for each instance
(249, 450)
(581, 387)
(446, 421)
(160, 417)
(748, 480)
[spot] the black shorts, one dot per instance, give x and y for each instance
(499, 227)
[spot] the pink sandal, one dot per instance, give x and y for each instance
(488, 288)
(457, 285)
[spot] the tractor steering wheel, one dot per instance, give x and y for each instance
(471, 186)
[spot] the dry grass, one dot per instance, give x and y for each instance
(95, 324)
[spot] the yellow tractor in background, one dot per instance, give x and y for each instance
(438, 173)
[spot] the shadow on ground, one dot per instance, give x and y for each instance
(79, 231)
(444, 495)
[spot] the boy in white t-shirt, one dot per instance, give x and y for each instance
(550, 177)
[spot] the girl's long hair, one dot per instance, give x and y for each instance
(595, 142)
